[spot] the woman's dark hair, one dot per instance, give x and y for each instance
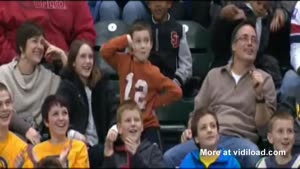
(74, 50)
(26, 31)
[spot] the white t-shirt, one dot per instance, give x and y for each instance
(91, 132)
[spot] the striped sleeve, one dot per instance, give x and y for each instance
(295, 37)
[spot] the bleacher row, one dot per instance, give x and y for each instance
(173, 118)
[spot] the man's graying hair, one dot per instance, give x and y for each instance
(239, 26)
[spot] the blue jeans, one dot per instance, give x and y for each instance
(132, 11)
(175, 155)
(291, 85)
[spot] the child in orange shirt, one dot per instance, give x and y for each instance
(139, 79)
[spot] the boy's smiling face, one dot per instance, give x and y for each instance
(159, 9)
(282, 135)
(141, 45)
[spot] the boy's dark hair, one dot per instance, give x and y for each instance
(198, 114)
(282, 115)
(127, 105)
(49, 162)
(50, 101)
(140, 25)
(239, 26)
(26, 31)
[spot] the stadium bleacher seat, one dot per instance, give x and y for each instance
(107, 30)
(197, 36)
(173, 119)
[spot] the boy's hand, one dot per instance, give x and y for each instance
(64, 154)
(257, 79)
(109, 142)
(186, 135)
(33, 136)
(131, 145)
(278, 20)
(19, 161)
(232, 12)
(129, 41)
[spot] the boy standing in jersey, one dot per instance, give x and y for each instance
(139, 79)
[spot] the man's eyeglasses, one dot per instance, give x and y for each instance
(246, 39)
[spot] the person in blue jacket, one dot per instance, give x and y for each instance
(205, 130)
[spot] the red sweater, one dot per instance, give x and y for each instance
(62, 21)
(141, 82)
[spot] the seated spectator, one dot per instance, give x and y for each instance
(266, 21)
(281, 135)
(205, 131)
(139, 79)
(129, 150)
(49, 162)
(62, 21)
(242, 96)
(127, 10)
(291, 81)
(13, 150)
(170, 50)
(71, 153)
(28, 81)
(89, 99)
(291, 105)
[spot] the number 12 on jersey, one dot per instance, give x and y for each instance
(141, 90)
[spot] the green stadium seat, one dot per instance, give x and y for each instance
(174, 116)
(202, 63)
(107, 30)
(105, 67)
(173, 119)
(197, 36)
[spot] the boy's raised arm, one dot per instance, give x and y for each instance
(110, 50)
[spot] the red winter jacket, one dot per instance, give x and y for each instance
(62, 21)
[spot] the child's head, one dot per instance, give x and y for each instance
(159, 9)
(30, 42)
(56, 115)
(82, 61)
(260, 8)
(281, 132)
(141, 35)
(6, 106)
(205, 129)
(130, 120)
(49, 162)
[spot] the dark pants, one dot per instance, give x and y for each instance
(96, 155)
(153, 135)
